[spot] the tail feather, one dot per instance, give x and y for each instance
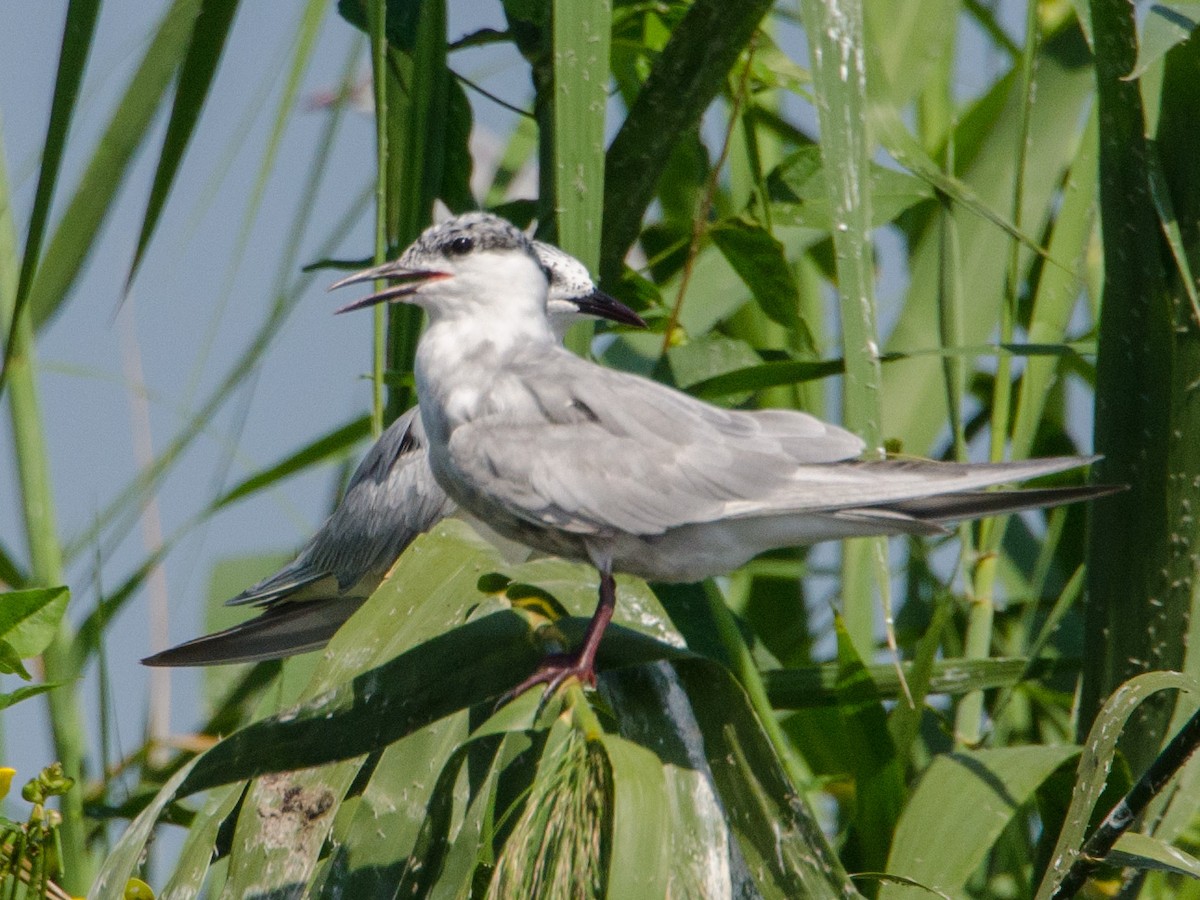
(281, 631)
(975, 504)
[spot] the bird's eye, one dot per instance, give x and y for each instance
(460, 246)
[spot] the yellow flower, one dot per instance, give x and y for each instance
(136, 889)
(6, 777)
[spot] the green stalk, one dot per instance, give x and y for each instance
(376, 17)
(37, 504)
(46, 569)
(968, 722)
(836, 42)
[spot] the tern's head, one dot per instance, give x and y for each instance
(573, 294)
(477, 263)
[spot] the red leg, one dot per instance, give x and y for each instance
(558, 667)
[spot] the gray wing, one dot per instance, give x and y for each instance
(391, 498)
(606, 450)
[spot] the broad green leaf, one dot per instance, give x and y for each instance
(703, 360)
(196, 857)
(835, 33)
(958, 810)
(984, 139)
(29, 619)
(800, 196)
(401, 823)
(122, 862)
(714, 293)
(195, 78)
(654, 712)
(76, 231)
(760, 262)
(1165, 26)
(434, 585)
(1144, 369)
(778, 836)
(639, 864)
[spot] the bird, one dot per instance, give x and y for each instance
(390, 499)
(602, 466)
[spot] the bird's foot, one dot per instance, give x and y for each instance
(552, 672)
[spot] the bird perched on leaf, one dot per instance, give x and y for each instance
(391, 498)
(589, 463)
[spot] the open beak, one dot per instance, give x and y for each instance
(406, 282)
(600, 304)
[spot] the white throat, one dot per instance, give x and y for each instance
(479, 320)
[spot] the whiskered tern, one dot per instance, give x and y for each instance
(593, 464)
(391, 498)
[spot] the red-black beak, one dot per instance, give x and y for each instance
(408, 282)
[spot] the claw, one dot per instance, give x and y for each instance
(552, 672)
(558, 667)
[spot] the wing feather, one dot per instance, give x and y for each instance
(595, 450)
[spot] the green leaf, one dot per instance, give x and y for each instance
(1144, 371)
(121, 863)
(10, 662)
(800, 196)
(335, 442)
(1166, 25)
(195, 78)
(29, 619)
(766, 375)
(1140, 851)
(703, 360)
(761, 263)
(473, 663)
(76, 44)
(196, 857)
(582, 31)
(640, 864)
(779, 838)
(958, 810)
(685, 78)
(1096, 761)
(24, 693)
(76, 232)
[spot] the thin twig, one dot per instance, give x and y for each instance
(158, 721)
(710, 191)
